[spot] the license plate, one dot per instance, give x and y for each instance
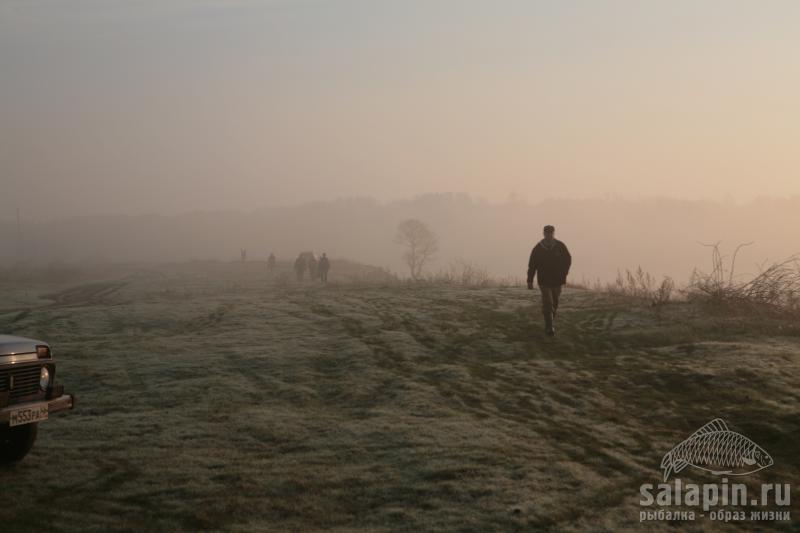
(28, 415)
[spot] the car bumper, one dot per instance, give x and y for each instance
(62, 403)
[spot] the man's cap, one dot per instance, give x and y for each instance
(549, 229)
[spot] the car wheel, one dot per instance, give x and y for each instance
(16, 442)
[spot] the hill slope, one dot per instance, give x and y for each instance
(216, 398)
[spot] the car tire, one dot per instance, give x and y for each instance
(16, 442)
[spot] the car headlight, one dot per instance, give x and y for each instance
(44, 378)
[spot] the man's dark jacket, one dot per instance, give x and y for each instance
(551, 262)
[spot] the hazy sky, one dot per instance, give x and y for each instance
(134, 106)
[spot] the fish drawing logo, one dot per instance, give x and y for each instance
(718, 450)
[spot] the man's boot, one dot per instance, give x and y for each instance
(548, 324)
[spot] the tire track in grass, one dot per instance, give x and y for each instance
(99, 293)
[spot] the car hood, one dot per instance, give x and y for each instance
(11, 345)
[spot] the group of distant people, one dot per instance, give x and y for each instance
(317, 267)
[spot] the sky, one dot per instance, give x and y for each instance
(173, 106)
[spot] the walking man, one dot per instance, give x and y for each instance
(550, 261)
(323, 267)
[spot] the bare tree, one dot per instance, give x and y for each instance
(421, 244)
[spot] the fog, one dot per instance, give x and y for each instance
(662, 236)
(155, 131)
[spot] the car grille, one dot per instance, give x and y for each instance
(26, 381)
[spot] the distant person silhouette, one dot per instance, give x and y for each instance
(300, 267)
(323, 267)
(312, 266)
(550, 262)
(271, 262)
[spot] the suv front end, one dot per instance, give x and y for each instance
(29, 394)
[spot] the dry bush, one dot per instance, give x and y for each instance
(461, 273)
(468, 274)
(776, 286)
(370, 275)
(641, 285)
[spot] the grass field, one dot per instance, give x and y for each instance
(215, 397)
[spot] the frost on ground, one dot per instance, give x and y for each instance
(213, 396)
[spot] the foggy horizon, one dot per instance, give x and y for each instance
(606, 235)
(29, 213)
